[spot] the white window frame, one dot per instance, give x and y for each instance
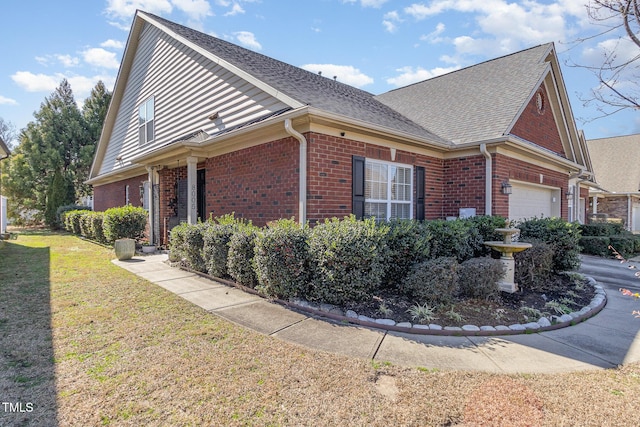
(389, 201)
(146, 117)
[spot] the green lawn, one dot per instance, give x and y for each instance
(83, 342)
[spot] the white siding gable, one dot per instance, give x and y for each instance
(187, 88)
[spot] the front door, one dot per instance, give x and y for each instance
(202, 202)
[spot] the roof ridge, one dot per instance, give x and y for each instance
(469, 66)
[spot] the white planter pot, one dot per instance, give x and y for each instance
(148, 249)
(125, 248)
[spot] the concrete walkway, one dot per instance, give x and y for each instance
(609, 339)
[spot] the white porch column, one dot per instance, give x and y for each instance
(149, 196)
(192, 194)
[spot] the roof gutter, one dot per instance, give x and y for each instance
(302, 185)
(488, 181)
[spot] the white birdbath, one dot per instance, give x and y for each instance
(507, 248)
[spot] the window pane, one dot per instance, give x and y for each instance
(401, 184)
(375, 181)
(141, 134)
(400, 211)
(150, 131)
(141, 115)
(150, 109)
(377, 210)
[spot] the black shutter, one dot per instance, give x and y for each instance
(358, 186)
(419, 193)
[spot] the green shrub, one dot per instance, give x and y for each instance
(434, 281)
(563, 236)
(624, 244)
(458, 238)
(486, 226)
(595, 245)
(408, 243)
(636, 244)
(241, 254)
(177, 242)
(124, 222)
(96, 219)
(602, 229)
(72, 221)
(216, 239)
(193, 246)
(349, 259)
(533, 267)
(86, 229)
(62, 211)
(479, 277)
(282, 259)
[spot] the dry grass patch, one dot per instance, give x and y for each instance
(91, 344)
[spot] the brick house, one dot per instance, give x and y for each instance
(616, 161)
(198, 126)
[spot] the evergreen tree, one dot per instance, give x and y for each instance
(59, 193)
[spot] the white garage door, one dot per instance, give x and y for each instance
(528, 201)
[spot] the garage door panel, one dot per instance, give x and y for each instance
(529, 201)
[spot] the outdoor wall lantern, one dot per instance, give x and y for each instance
(570, 192)
(506, 188)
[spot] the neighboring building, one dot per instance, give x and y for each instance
(4, 153)
(616, 163)
(198, 126)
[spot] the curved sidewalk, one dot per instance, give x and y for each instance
(609, 339)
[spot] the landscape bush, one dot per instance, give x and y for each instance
(434, 281)
(563, 236)
(625, 244)
(216, 239)
(534, 266)
(86, 229)
(96, 219)
(408, 242)
(240, 263)
(62, 211)
(282, 259)
(177, 242)
(124, 222)
(348, 257)
(458, 238)
(595, 245)
(72, 221)
(602, 229)
(479, 277)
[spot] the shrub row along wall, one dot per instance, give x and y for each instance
(342, 261)
(602, 238)
(105, 227)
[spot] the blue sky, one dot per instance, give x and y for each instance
(376, 45)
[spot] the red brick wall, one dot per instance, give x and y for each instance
(113, 195)
(505, 168)
(464, 185)
(259, 183)
(539, 127)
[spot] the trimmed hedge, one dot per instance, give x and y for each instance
(479, 277)
(534, 266)
(433, 282)
(282, 259)
(563, 236)
(458, 238)
(348, 259)
(596, 245)
(602, 229)
(624, 244)
(124, 222)
(409, 242)
(240, 264)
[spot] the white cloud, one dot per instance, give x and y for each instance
(433, 37)
(100, 58)
(67, 61)
(410, 75)
(195, 9)
(235, 10)
(37, 82)
(367, 3)
(7, 101)
(81, 85)
(125, 9)
(390, 21)
(248, 39)
(344, 73)
(112, 44)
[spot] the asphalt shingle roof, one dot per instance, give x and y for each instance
(305, 87)
(475, 103)
(616, 162)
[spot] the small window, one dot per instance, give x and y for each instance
(146, 114)
(144, 195)
(388, 190)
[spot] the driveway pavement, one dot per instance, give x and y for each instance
(606, 340)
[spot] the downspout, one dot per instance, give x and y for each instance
(302, 185)
(151, 171)
(488, 187)
(629, 216)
